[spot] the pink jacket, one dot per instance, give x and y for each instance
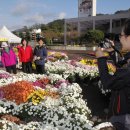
(8, 59)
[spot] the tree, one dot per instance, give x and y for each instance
(21, 35)
(94, 36)
(57, 25)
(28, 37)
(44, 27)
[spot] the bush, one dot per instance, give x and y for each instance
(48, 41)
(94, 36)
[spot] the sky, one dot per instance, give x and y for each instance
(18, 13)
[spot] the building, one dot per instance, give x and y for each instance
(107, 23)
(86, 8)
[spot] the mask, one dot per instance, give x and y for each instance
(7, 49)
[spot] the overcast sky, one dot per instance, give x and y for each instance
(18, 13)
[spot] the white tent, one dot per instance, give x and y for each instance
(2, 38)
(4, 32)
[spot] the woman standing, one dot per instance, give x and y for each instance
(26, 56)
(40, 55)
(8, 58)
(119, 83)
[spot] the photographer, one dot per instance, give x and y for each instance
(119, 83)
(113, 50)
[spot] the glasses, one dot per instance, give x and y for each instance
(121, 35)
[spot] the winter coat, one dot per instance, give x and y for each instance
(119, 84)
(42, 53)
(8, 59)
(25, 55)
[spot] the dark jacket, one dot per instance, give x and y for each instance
(42, 53)
(119, 60)
(119, 84)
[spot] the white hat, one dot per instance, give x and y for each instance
(4, 44)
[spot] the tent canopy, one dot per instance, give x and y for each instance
(5, 33)
(2, 38)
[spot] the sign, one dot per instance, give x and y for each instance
(85, 8)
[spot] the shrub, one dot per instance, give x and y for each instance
(94, 36)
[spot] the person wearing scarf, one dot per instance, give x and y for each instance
(8, 58)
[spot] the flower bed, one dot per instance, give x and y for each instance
(54, 56)
(70, 69)
(85, 71)
(52, 100)
(57, 103)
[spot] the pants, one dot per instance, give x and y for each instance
(40, 69)
(10, 68)
(27, 67)
(121, 122)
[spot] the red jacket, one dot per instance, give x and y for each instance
(25, 55)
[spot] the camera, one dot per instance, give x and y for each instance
(105, 44)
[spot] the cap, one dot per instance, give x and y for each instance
(4, 44)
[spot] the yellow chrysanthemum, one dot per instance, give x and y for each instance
(88, 61)
(83, 61)
(111, 68)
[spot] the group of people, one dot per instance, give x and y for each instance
(26, 56)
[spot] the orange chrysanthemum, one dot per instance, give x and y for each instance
(17, 92)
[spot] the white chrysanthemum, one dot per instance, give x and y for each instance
(103, 125)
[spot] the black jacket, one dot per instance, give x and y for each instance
(120, 60)
(119, 84)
